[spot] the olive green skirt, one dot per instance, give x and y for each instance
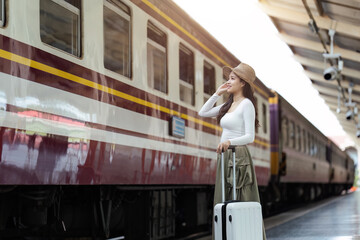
(246, 184)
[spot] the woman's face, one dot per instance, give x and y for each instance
(234, 84)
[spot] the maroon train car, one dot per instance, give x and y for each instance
(306, 165)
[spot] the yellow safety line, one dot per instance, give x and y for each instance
(170, 20)
(45, 68)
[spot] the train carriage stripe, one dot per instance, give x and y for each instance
(26, 112)
(57, 72)
(144, 167)
(40, 66)
(34, 54)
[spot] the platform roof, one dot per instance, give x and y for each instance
(304, 26)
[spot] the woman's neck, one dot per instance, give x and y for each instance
(238, 97)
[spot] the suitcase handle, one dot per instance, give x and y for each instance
(222, 174)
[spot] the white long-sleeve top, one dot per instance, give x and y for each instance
(238, 126)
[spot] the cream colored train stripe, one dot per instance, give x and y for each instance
(34, 64)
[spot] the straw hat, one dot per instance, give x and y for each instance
(243, 71)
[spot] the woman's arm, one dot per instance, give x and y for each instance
(249, 122)
(208, 110)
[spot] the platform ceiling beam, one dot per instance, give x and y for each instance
(320, 65)
(319, 78)
(317, 47)
(319, 7)
(302, 18)
(334, 92)
(333, 107)
(332, 100)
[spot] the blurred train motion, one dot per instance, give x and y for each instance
(99, 132)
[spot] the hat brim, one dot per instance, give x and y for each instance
(226, 73)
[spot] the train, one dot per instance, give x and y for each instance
(99, 131)
(305, 164)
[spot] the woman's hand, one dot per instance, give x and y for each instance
(223, 145)
(222, 89)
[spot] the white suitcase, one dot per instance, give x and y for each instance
(235, 220)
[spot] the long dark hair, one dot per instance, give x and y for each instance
(248, 93)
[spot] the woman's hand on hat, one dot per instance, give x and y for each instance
(222, 89)
(224, 145)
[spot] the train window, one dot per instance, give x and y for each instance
(304, 141)
(264, 120)
(2, 13)
(256, 103)
(311, 142)
(186, 71)
(311, 145)
(322, 153)
(117, 38)
(292, 134)
(325, 152)
(157, 58)
(60, 24)
(328, 153)
(209, 80)
(285, 131)
(298, 136)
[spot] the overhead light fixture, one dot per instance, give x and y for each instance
(332, 72)
(358, 133)
(349, 114)
(350, 104)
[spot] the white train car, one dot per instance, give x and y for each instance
(99, 100)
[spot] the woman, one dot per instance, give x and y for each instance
(238, 119)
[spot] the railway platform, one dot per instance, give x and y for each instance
(336, 218)
(332, 219)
